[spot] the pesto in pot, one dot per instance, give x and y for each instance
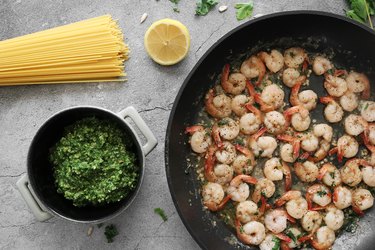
(93, 163)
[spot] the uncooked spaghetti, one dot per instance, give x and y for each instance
(92, 50)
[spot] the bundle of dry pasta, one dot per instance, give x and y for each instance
(92, 50)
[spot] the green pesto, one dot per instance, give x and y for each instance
(93, 163)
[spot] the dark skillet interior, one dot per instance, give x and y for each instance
(354, 47)
(40, 170)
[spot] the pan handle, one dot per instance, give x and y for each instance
(142, 126)
(31, 200)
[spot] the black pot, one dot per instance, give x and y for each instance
(38, 186)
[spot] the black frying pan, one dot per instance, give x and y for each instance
(354, 45)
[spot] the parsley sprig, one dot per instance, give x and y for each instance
(361, 11)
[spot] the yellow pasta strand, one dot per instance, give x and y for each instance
(91, 50)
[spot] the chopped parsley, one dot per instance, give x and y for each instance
(241, 229)
(321, 193)
(160, 212)
(332, 174)
(93, 163)
(204, 6)
(291, 235)
(276, 242)
(110, 232)
(244, 10)
(223, 122)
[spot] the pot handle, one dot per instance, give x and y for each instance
(142, 126)
(31, 200)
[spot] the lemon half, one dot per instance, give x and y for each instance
(167, 41)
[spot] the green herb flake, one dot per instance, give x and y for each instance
(321, 193)
(332, 174)
(241, 229)
(110, 232)
(160, 212)
(174, 1)
(366, 106)
(223, 122)
(276, 242)
(291, 235)
(244, 10)
(239, 141)
(93, 163)
(204, 6)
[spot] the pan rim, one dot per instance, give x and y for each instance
(198, 64)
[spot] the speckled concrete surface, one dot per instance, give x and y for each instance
(150, 88)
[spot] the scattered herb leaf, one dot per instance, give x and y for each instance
(244, 10)
(110, 232)
(204, 6)
(160, 212)
(277, 243)
(321, 193)
(361, 11)
(291, 235)
(175, 9)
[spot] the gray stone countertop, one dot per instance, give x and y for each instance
(150, 88)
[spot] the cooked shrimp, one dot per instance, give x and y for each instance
(371, 133)
(296, 143)
(324, 131)
(200, 139)
(318, 194)
(362, 200)
(321, 65)
(349, 101)
(358, 82)
(252, 233)
(308, 99)
(296, 233)
(213, 196)
(311, 221)
(226, 154)
(330, 175)
(245, 162)
(273, 169)
(300, 118)
(290, 195)
(292, 76)
(223, 173)
(276, 220)
(287, 153)
(355, 124)
(350, 173)
(238, 104)
(325, 237)
(347, 146)
(309, 142)
(307, 171)
(335, 86)
(333, 111)
(263, 187)
(218, 106)
(252, 68)
(274, 60)
(368, 173)
(250, 122)
(275, 122)
(342, 197)
(247, 211)
(294, 57)
(271, 98)
(262, 146)
(228, 128)
(334, 217)
(321, 152)
(368, 111)
(269, 242)
(238, 189)
(234, 83)
(296, 207)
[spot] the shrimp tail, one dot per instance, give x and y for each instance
(243, 150)
(288, 176)
(263, 206)
(305, 65)
(357, 210)
(263, 106)
(283, 237)
(250, 88)
(225, 74)
(259, 133)
(340, 72)
(209, 163)
(326, 99)
(284, 246)
(223, 202)
(340, 153)
(192, 129)
(216, 136)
